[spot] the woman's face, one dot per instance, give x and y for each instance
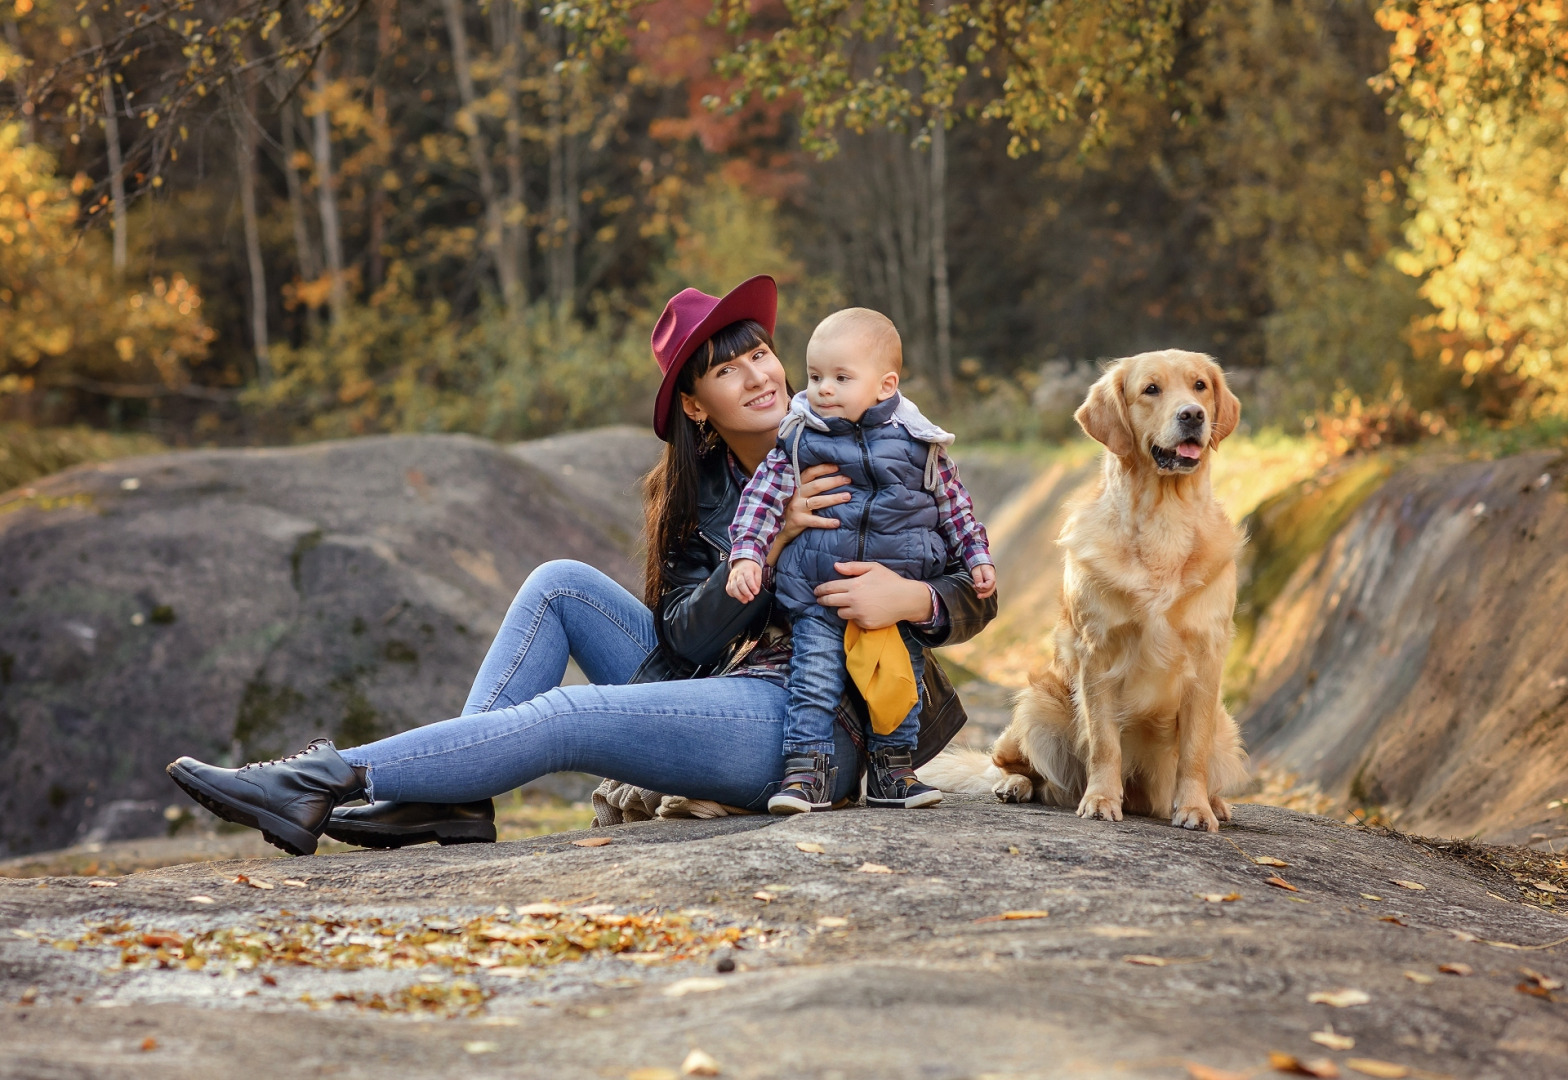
(742, 396)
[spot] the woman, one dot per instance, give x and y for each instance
(687, 689)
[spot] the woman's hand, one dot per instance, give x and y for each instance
(871, 596)
(815, 493)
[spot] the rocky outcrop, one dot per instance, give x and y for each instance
(234, 603)
(1417, 661)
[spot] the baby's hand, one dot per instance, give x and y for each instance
(745, 580)
(985, 580)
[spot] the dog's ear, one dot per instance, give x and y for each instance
(1103, 415)
(1227, 410)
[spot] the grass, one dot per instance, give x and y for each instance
(27, 453)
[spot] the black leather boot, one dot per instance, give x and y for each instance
(289, 799)
(808, 785)
(891, 782)
(398, 824)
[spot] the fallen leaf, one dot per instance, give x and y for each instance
(295, 883)
(832, 922)
(540, 909)
(698, 1063)
(1269, 860)
(1280, 1061)
(1534, 990)
(1419, 978)
(1548, 887)
(1145, 960)
(763, 895)
(1198, 1071)
(1395, 919)
(479, 1047)
(1339, 999)
(652, 1074)
(874, 868)
(29, 996)
(1280, 883)
(200, 900)
(810, 847)
(1332, 1040)
(160, 938)
(149, 1043)
(102, 884)
(1455, 969)
(1387, 1070)
(1219, 898)
(1369, 896)
(1545, 982)
(241, 879)
(698, 984)
(591, 841)
(1416, 885)
(268, 980)
(1013, 915)
(593, 910)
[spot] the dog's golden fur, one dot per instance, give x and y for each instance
(1127, 716)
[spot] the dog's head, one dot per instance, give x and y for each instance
(1169, 408)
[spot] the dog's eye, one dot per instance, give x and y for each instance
(1152, 388)
(1200, 386)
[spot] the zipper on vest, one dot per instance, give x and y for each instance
(871, 476)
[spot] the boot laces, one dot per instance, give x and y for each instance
(314, 745)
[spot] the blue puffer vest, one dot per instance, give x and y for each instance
(891, 517)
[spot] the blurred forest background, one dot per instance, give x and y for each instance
(264, 221)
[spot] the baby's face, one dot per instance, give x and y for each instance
(844, 379)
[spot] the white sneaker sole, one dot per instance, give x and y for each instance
(914, 802)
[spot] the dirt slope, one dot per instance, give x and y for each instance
(234, 603)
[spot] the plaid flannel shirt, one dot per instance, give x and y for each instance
(760, 515)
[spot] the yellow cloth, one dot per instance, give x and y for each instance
(878, 661)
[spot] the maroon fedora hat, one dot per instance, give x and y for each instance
(691, 318)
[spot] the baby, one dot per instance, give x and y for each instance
(907, 511)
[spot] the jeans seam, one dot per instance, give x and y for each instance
(533, 631)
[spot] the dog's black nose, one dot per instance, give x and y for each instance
(1191, 416)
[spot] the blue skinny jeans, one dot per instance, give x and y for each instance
(816, 683)
(719, 738)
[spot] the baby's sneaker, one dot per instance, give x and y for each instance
(808, 782)
(891, 781)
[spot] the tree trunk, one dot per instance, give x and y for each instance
(507, 20)
(24, 94)
(376, 270)
(111, 132)
(245, 138)
(479, 150)
(562, 270)
(943, 297)
(326, 194)
(304, 249)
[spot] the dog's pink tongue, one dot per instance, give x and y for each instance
(1189, 450)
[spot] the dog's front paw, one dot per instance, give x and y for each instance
(1196, 817)
(1220, 807)
(1013, 787)
(1096, 804)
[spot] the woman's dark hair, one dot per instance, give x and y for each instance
(670, 489)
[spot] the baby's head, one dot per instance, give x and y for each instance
(853, 361)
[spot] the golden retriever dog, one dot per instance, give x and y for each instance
(1127, 716)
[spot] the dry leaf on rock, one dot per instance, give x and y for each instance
(1145, 960)
(1280, 883)
(874, 868)
(698, 1063)
(1395, 919)
(1416, 885)
(1009, 916)
(479, 1047)
(149, 1044)
(592, 841)
(810, 847)
(102, 884)
(832, 922)
(700, 984)
(763, 895)
(1332, 1039)
(295, 883)
(539, 909)
(1269, 860)
(1369, 896)
(1545, 982)
(1324, 1068)
(1219, 898)
(200, 900)
(1386, 1070)
(1198, 1071)
(1339, 999)
(1419, 978)
(1455, 969)
(1548, 887)
(241, 879)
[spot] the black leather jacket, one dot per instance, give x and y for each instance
(703, 630)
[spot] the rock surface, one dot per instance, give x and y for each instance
(235, 603)
(1419, 662)
(1161, 947)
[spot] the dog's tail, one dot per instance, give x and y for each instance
(962, 772)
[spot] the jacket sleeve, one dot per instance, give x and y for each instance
(967, 614)
(698, 620)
